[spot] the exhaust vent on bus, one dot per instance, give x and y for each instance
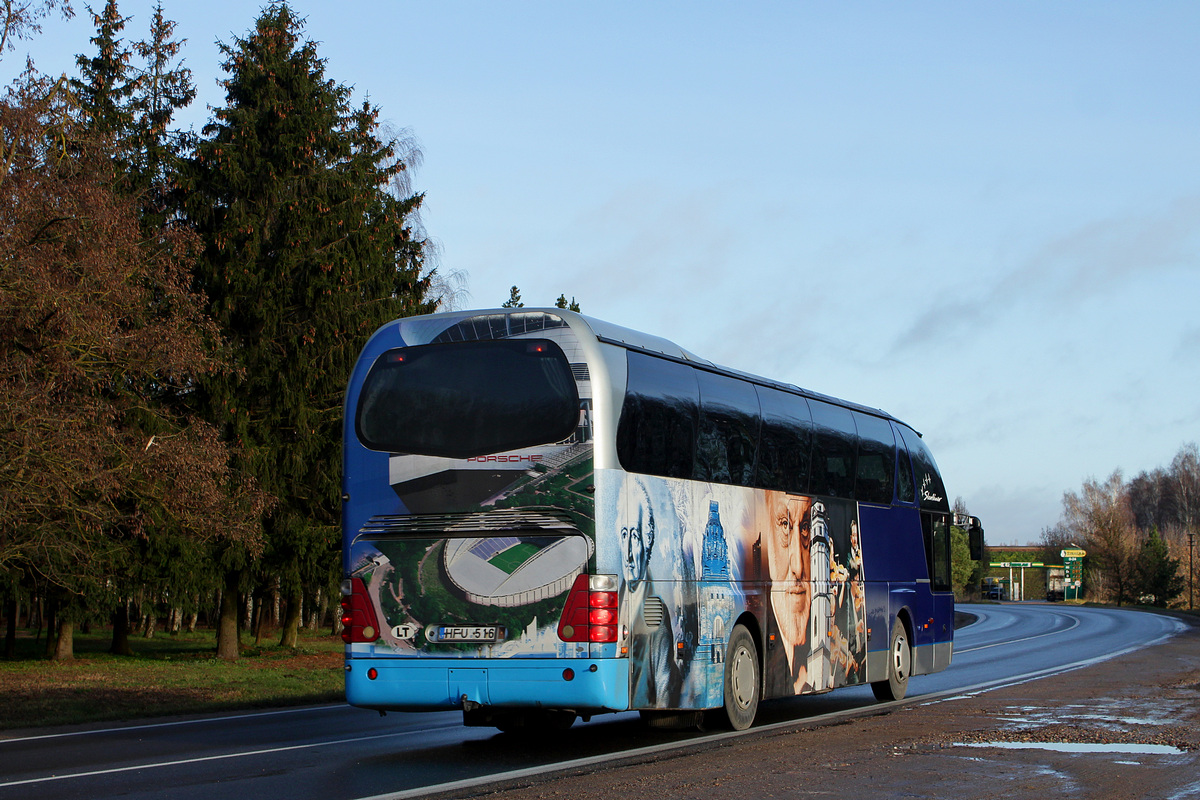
(653, 612)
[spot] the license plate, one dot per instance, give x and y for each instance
(468, 633)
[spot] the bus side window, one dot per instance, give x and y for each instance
(936, 530)
(835, 443)
(657, 431)
(931, 494)
(729, 423)
(876, 457)
(785, 441)
(906, 490)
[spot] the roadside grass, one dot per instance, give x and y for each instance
(169, 674)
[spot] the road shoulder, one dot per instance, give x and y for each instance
(1135, 719)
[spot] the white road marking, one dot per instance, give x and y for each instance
(202, 759)
(1075, 624)
(174, 723)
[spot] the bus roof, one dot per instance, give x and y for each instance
(631, 339)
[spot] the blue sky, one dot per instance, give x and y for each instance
(983, 217)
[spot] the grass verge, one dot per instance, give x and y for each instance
(169, 674)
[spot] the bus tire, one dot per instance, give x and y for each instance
(558, 721)
(899, 666)
(742, 679)
(511, 722)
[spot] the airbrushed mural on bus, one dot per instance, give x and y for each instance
(547, 516)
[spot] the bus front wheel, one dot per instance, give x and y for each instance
(899, 666)
(741, 679)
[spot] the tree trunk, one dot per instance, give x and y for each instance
(51, 624)
(120, 631)
(10, 632)
(337, 619)
(227, 623)
(291, 622)
(247, 611)
(64, 645)
(322, 609)
(259, 616)
(136, 612)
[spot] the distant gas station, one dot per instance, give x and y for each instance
(1056, 582)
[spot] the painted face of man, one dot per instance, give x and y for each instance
(788, 563)
(636, 541)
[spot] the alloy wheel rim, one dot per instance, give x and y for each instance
(742, 674)
(901, 657)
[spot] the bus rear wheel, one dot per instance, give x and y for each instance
(742, 679)
(899, 666)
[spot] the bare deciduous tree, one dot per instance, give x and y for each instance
(1185, 473)
(23, 18)
(1099, 518)
(98, 331)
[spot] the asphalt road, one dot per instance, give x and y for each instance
(339, 753)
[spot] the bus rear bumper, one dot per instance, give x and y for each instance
(409, 684)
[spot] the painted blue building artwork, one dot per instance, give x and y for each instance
(717, 602)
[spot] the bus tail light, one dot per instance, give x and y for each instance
(590, 614)
(359, 623)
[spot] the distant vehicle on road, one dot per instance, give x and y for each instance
(548, 516)
(1055, 585)
(994, 589)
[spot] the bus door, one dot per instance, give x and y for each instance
(935, 618)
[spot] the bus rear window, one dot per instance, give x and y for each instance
(657, 431)
(467, 399)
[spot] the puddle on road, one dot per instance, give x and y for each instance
(1024, 716)
(1079, 747)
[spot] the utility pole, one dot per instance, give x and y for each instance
(1191, 570)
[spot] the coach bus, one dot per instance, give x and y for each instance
(547, 517)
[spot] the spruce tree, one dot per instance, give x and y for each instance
(1156, 574)
(305, 255)
(128, 108)
(514, 299)
(164, 86)
(105, 86)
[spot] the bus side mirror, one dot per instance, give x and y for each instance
(974, 534)
(975, 539)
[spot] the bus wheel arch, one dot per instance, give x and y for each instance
(899, 660)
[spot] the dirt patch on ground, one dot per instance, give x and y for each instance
(1126, 728)
(302, 661)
